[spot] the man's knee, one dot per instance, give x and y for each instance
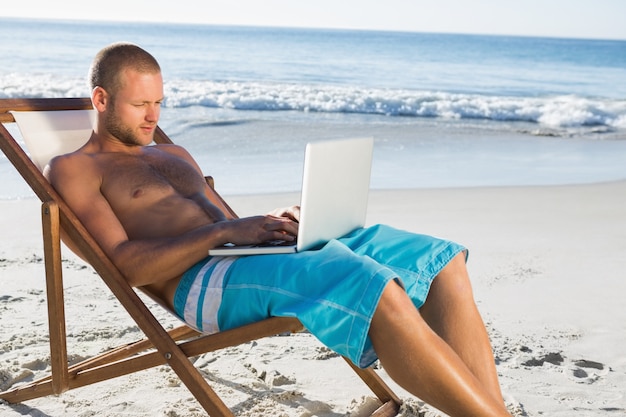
(453, 280)
(394, 300)
(456, 267)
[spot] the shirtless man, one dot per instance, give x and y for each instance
(152, 213)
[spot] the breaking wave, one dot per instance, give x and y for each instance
(552, 111)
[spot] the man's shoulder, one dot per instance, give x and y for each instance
(170, 148)
(173, 149)
(71, 158)
(69, 164)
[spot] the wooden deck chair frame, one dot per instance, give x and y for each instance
(173, 347)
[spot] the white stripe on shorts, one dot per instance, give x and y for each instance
(206, 318)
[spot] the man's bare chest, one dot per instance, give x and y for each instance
(135, 176)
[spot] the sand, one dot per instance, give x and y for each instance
(547, 265)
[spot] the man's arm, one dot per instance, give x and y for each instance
(146, 261)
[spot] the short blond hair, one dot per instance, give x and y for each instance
(109, 63)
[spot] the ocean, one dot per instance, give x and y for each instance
(445, 110)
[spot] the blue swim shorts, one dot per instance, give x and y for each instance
(333, 291)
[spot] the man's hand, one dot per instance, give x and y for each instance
(259, 229)
(292, 213)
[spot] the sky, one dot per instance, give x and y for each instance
(595, 19)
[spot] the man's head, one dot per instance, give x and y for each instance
(127, 91)
(110, 63)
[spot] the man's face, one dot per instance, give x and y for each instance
(133, 113)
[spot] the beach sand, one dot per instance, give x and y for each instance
(547, 265)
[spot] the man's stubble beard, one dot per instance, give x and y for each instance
(123, 133)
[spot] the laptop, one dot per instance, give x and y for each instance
(333, 201)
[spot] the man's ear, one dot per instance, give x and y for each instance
(99, 99)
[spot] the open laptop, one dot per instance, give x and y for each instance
(333, 201)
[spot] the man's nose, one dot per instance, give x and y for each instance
(152, 113)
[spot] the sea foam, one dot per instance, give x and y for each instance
(551, 111)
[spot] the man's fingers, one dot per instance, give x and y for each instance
(292, 213)
(282, 225)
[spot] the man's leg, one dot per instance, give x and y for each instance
(423, 363)
(451, 312)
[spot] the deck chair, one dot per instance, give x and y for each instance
(65, 125)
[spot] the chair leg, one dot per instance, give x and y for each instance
(391, 402)
(54, 287)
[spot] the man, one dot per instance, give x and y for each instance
(363, 295)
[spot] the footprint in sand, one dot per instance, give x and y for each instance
(586, 371)
(583, 370)
(555, 358)
(6, 299)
